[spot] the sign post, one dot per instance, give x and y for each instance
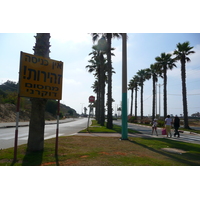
(91, 100)
(39, 77)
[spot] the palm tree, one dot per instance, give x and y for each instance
(165, 62)
(37, 118)
(181, 53)
(143, 75)
(136, 83)
(153, 70)
(107, 47)
(98, 65)
(131, 87)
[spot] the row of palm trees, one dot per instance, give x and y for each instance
(102, 68)
(163, 63)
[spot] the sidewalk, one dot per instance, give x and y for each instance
(21, 124)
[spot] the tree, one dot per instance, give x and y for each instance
(165, 62)
(143, 75)
(37, 119)
(131, 87)
(181, 53)
(98, 66)
(107, 47)
(135, 84)
(153, 70)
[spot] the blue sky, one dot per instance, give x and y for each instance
(142, 48)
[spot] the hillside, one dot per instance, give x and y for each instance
(8, 100)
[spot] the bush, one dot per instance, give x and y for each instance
(131, 119)
(161, 123)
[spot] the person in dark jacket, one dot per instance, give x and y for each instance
(176, 126)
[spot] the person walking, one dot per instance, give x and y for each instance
(176, 123)
(168, 124)
(154, 126)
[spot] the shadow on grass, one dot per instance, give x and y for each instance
(32, 158)
(57, 161)
(174, 156)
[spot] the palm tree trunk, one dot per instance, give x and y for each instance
(109, 118)
(141, 102)
(165, 92)
(98, 103)
(37, 119)
(136, 103)
(185, 110)
(131, 111)
(154, 98)
(102, 94)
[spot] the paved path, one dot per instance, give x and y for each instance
(146, 132)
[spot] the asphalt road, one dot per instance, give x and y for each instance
(147, 131)
(66, 128)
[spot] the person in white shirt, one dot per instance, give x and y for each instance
(168, 123)
(154, 126)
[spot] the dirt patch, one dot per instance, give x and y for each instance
(49, 163)
(120, 153)
(174, 150)
(85, 156)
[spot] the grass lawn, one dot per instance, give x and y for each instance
(96, 128)
(105, 151)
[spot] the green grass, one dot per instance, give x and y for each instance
(96, 128)
(105, 151)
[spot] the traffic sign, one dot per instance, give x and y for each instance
(91, 99)
(40, 77)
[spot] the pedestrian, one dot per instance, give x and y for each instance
(154, 126)
(168, 124)
(176, 123)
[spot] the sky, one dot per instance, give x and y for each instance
(69, 24)
(142, 48)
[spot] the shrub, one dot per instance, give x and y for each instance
(131, 119)
(160, 123)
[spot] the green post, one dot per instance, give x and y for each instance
(124, 88)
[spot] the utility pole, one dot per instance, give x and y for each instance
(124, 87)
(156, 99)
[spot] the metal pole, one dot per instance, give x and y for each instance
(57, 128)
(88, 119)
(16, 130)
(156, 100)
(159, 99)
(124, 88)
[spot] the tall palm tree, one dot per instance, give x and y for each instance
(131, 87)
(98, 65)
(107, 48)
(153, 70)
(37, 119)
(136, 84)
(181, 53)
(165, 62)
(143, 75)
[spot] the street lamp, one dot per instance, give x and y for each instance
(124, 88)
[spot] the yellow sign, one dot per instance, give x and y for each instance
(40, 77)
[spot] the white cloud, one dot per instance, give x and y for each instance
(71, 82)
(75, 37)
